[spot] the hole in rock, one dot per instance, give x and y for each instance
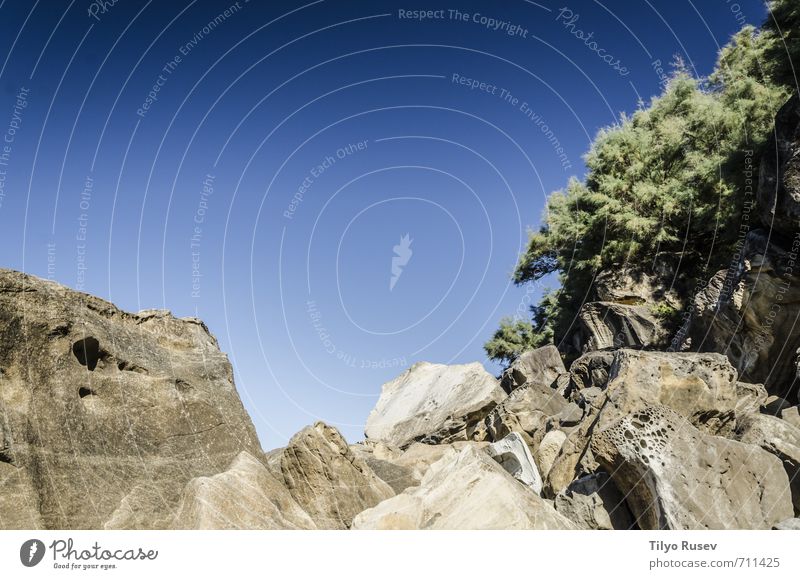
(87, 351)
(83, 392)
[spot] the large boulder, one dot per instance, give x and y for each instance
(105, 415)
(777, 437)
(433, 403)
(594, 502)
(749, 313)
(699, 387)
(676, 477)
(524, 411)
(327, 479)
(246, 496)
(465, 489)
(541, 366)
(778, 193)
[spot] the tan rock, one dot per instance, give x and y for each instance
(548, 450)
(541, 366)
(676, 477)
(327, 479)
(246, 496)
(465, 489)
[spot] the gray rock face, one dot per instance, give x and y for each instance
(749, 315)
(541, 367)
(433, 403)
(612, 325)
(327, 479)
(627, 285)
(676, 477)
(779, 176)
(465, 489)
(788, 525)
(593, 502)
(105, 415)
(591, 370)
(246, 496)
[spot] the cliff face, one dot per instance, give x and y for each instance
(105, 415)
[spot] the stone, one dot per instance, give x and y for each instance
(465, 489)
(751, 397)
(676, 477)
(777, 437)
(571, 415)
(396, 476)
(631, 286)
(593, 502)
(591, 370)
(433, 403)
(700, 387)
(525, 411)
(606, 325)
(419, 457)
(775, 405)
(541, 366)
(788, 525)
(548, 449)
(105, 415)
(246, 496)
(778, 194)
(749, 313)
(327, 479)
(514, 456)
(791, 415)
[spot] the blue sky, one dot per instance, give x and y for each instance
(256, 165)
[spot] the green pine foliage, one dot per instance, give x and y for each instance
(668, 180)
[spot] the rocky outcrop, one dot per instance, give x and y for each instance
(465, 489)
(630, 286)
(246, 496)
(105, 416)
(433, 403)
(612, 325)
(779, 176)
(327, 479)
(594, 502)
(749, 314)
(540, 367)
(676, 477)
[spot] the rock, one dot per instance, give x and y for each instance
(571, 415)
(548, 450)
(541, 366)
(630, 286)
(751, 397)
(593, 502)
(788, 525)
(433, 403)
(611, 325)
(396, 476)
(513, 455)
(778, 194)
(777, 437)
(327, 479)
(466, 489)
(246, 496)
(105, 416)
(791, 415)
(775, 405)
(700, 387)
(525, 411)
(591, 370)
(419, 457)
(676, 477)
(749, 314)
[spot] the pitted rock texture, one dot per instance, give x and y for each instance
(676, 477)
(327, 479)
(433, 403)
(106, 415)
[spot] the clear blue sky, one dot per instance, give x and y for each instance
(257, 167)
